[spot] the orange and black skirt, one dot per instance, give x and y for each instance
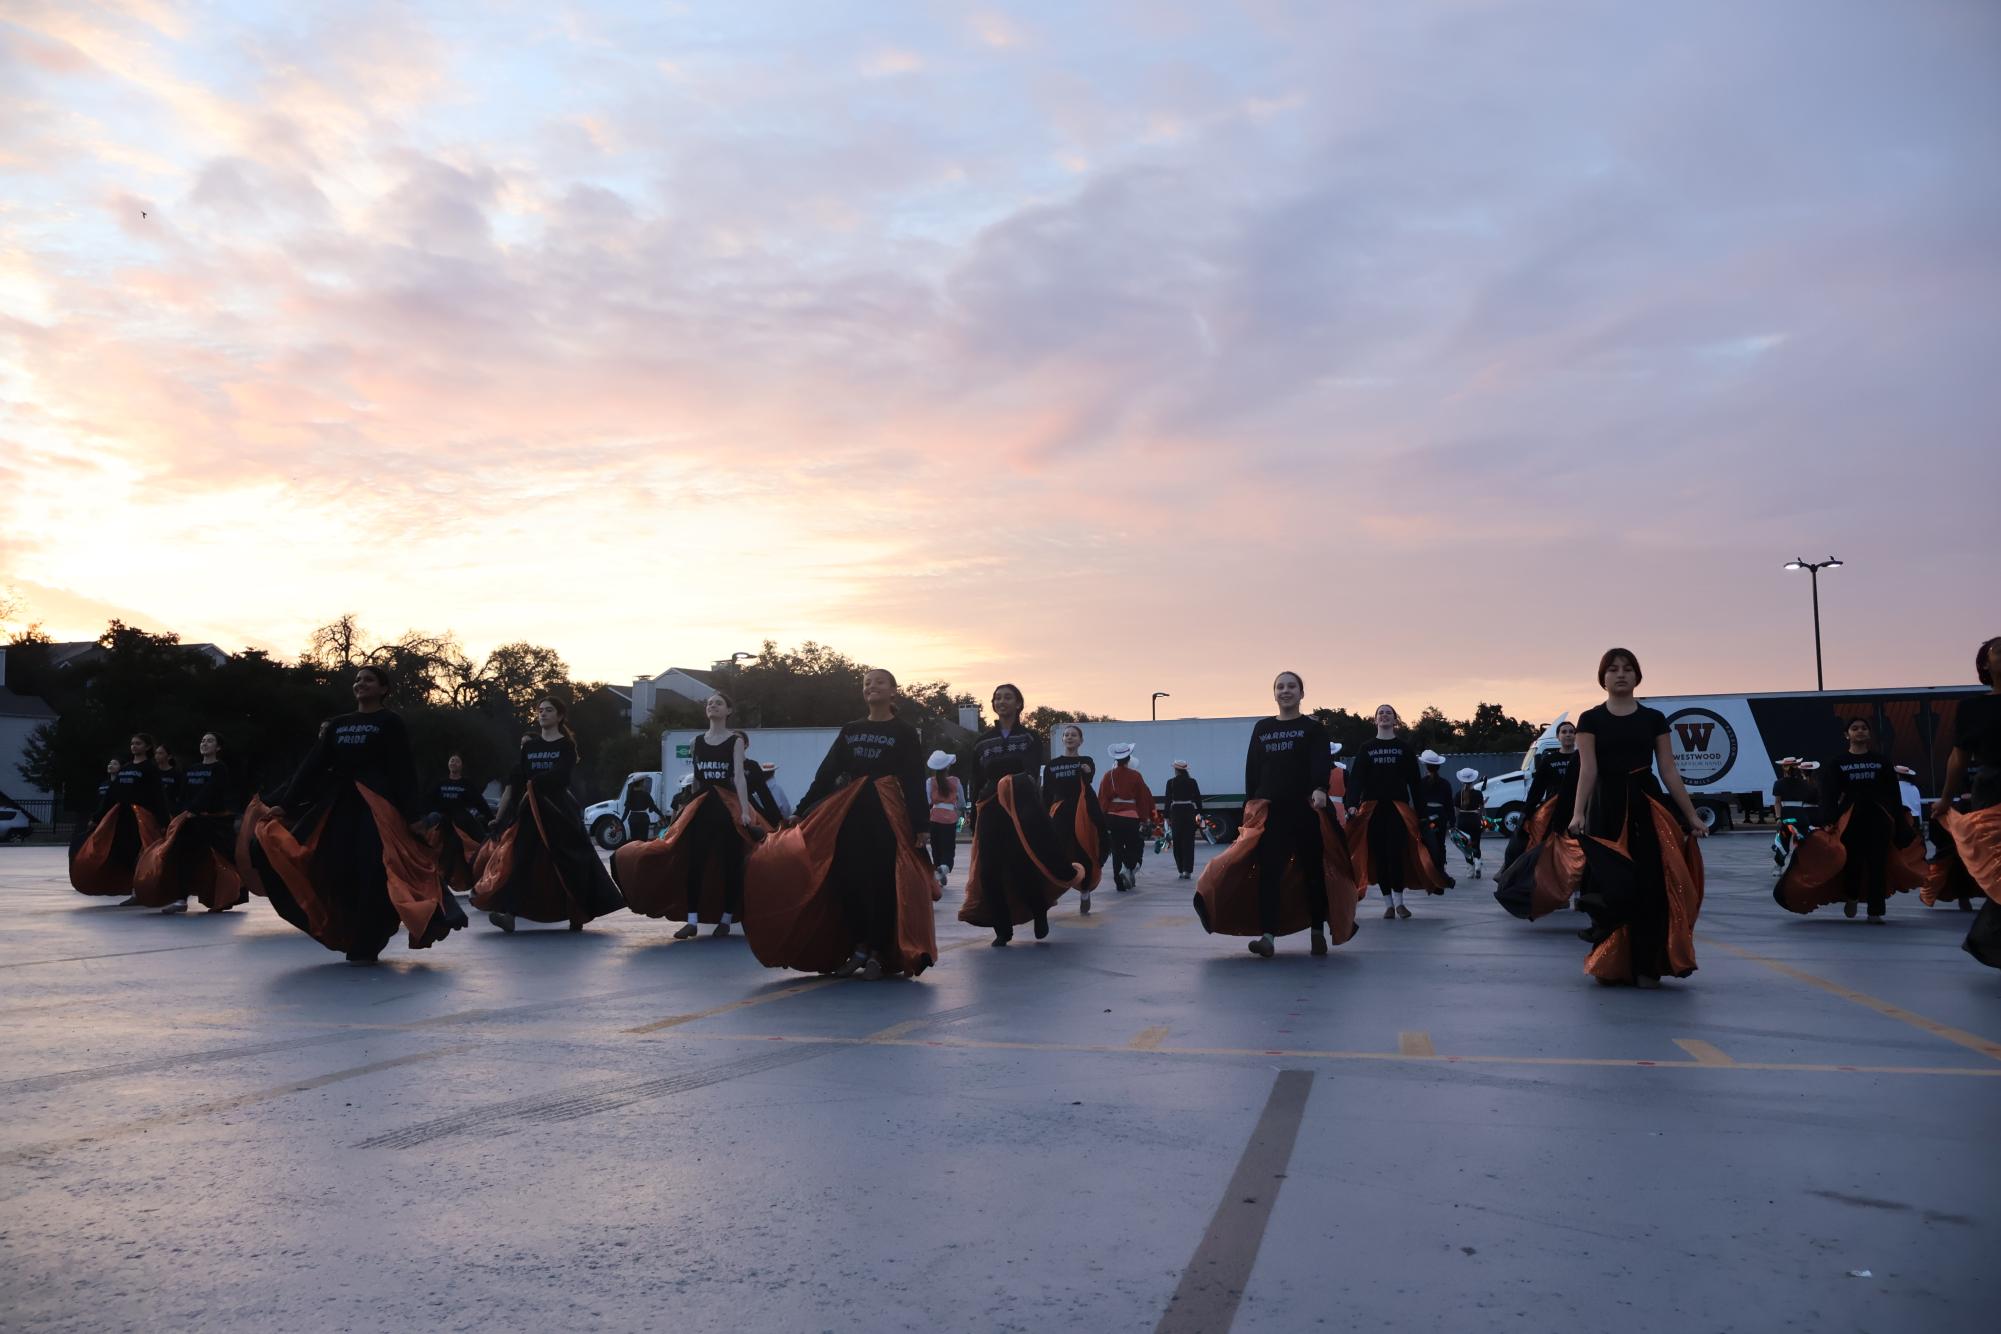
(1078, 824)
(194, 859)
(685, 870)
(1386, 849)
(104, 860)
(347, 871)
(1817, 875)
(543, 866)
(1533, 883)
(1019, 868)
(1226, 896)
(1968, 865)
(457, 852)
(1642, 887)
(848, 876)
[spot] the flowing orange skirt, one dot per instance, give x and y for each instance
(1420, 869)
(656, 875)
(105, 862)
(1226, 897)
(986, 903)
(1813, 879)
(1969, 855)
(1681, 875)
(410, 876)
(186, 863)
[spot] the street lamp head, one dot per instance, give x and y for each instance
(1830, 562)
(1794, 565)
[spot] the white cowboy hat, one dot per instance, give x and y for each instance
(687, 780)
(1905, 771)
(1181, 764)
(1122, 751)
(1333, 748)
(769, 766)
(1809, 764)
(1790, 759)
(940, 759)
(1431, 757)
(1469, 775)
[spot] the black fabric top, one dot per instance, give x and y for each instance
(997, 754)
(866, 749)
(455, 797)
(715, 762)
(134, 785)
(206, 789)
(1555, 776)
(1067, 775)
(1437, 795)
(546, 764)
(1287, 760)
(372, 749)
(1858, 778)
(1797, 790)
(171, 780)
(1622, 744)
(1384, 770)
(1976, 730)
(1183, 790)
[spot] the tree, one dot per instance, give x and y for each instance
(1491, 729)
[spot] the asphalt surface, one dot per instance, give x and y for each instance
(210, 1122)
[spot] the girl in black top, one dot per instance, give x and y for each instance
(333, 849)
(1383, 838)
(197, 854)
(1968, 861)
(169, 771)
(843, 888)
(1019, 867)
(1285, 831)
(1183, 796)
(696, 870)
(1859, 793)
(542, 864)
(1546, 812)
(1069, 783)
(457, 817)
(128, 820)
(1644, 897)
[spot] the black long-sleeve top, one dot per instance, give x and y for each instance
(867, 749)
(1183, 790)
(1065, 775)
(1858, 778)
(206, 789)
(996, 754)
(171, 780)
(1976, 730)
(546, 764)
(134, 785)
(1437, 793)
(1384, 770)
(1286, 762)
(372, 749)
(455, 798)
(1555, 776)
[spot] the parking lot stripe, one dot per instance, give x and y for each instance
(1415, 1044)
(1149, 1039)
(1703, 1052)
(1971, 1041)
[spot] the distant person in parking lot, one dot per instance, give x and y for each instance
(1471, 808)
(1385, 845)
(1968, 861)
(946, 795)
(1184, 808)
(196, 856)
(128, 820)
(1435, 815)
(1074, 812)
(765, 780)
(1865, 849)
(1129, 811)
(640, 810)
(1524, 886)
(169, 771)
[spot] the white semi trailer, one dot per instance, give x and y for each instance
(797, 751)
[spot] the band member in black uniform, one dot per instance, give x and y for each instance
(128, 820)
(1528, 886)
(945, 796)
(1967, 864)
(196, 856)
(696, 870)
(1019, 868)
(455, 821)
(1184, 807)
(844, 887)
(1641, 872)
(542, 864)
(1797, 800)
(1288, 847)
(640, 810)
(1435, 816)
(1470, 806)
(1384, 800)
(333, 849)
(1074, 812)
(1866, 847)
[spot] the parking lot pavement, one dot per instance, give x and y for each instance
(211, 1122)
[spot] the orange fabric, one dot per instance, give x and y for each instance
(1420, 869)
(291, 861)
(167, 872)
(1682, 875)
(1084, 833)
(655, 876)
(1124, 795)
(254, 814)
(92, 870)
(1226, 896)
(545, 897)
(1337, 795)
(976, 909)
(1813, 878)
(1971, 861)
(456, 853)
(411, 878)
(1556, 870)
(791, 915)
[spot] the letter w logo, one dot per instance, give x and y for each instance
(1695, 736)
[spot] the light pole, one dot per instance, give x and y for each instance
(1154, 703)
(1814, 567)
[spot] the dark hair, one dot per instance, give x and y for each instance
(383, 677)
(1295, 676)
(562, 714)
(1850, 724)
(1566, 723)
(1983, 661)
(164, 746)
(1009, 685)
(146, 737)
(724, 695)
(871, 671)
(1605, 663)
(210, 732)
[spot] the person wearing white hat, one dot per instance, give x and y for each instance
(767, 795)
(1794, 798)
(1471, 807)
(1184, 806)
(1074, 813)
(1865, 849)
(1435, 815)
(947, 795)
(1128, 810)
(1018, 869)
(1383, 800)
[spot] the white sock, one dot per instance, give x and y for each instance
(1396, 897)
(694, 919)
(726, 919)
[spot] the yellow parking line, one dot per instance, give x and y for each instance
(1149, 1038)
(1971, 1041)
(1703, 1053)
(1170, 921)
(785, 993)
(1415, 1044)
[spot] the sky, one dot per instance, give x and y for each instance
(1425, 349)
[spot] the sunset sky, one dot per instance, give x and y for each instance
(1426, 349)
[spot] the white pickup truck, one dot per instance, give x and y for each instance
(797, 751)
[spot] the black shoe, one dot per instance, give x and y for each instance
(575, 925)
(1319, 941)
(688, 932)
(503, 920)
(1402, 911)
(999, 942)
(1450, 883)
(1042, 926)
(872, 970)
(133, 902)
(362, 957)
(1848, 908)
(1389, 912)
(1263, 948)
(1646, 983)
(856, 962)
(722, 929)
(1875, 919)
